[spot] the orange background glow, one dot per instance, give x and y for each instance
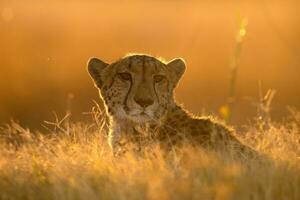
(45, 45)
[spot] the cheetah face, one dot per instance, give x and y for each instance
(137, 87)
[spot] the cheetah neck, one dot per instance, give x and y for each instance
(120, 128)
(175, 116)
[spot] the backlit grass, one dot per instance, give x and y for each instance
(73, 161)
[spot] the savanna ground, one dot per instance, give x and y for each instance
(73, 161)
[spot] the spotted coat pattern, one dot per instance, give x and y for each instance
(138, 93)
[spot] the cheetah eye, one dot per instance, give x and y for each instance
(125, 76)
(158, 78)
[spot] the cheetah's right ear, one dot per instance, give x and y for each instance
(177, 68)
(95, 69)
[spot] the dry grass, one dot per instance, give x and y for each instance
(73, 161)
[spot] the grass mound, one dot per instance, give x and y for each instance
(73, 161)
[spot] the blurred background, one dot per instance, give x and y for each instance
(45, 45)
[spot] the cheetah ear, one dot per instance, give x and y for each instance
(177, 67)
(95, 69)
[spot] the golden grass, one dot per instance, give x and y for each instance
(73, 161)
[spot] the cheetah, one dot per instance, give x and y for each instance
(138, 93)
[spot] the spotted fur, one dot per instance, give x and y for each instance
(138, 93)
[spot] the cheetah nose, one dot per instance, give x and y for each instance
(144, 102)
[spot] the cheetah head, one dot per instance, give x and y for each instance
(137, 87)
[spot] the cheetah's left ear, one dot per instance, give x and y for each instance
(177, 67)
(95, 69)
